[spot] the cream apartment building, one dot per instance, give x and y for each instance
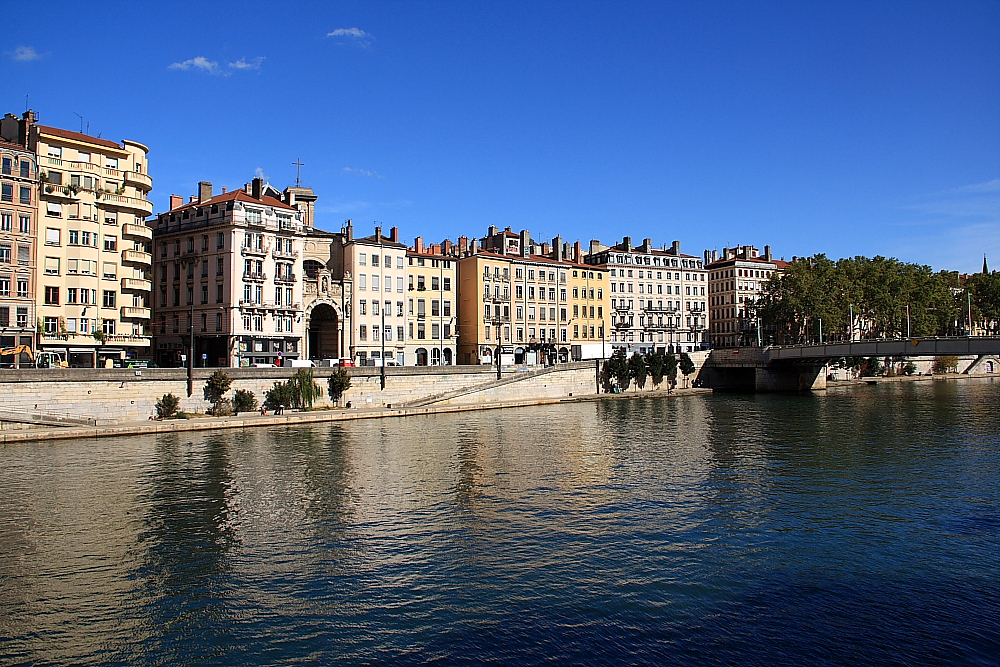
(431, 305)
(93, 246)
(658, 296)
(736, 279)
(18, 211)
(229, 273)
(377, 267)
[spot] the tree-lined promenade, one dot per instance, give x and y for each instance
(878, 297)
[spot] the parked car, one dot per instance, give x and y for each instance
(385, 362)
(263, 366)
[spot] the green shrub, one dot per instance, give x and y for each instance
(244, 401)
(339, 383)
(222, 408)
(167, 406)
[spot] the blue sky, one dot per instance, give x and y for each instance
(844, 128)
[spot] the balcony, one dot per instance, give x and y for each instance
(136, 284)
(136, 179)
(137, 231)
(658, 309)
(143, 205)
(268, 305)
(281, 254)
(137, 257)
(135, 312)
(285, 278)
(127, 339)
(256, 252)
(255, 277)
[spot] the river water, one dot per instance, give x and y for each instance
(854, 526)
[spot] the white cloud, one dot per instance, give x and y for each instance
(988, 186)
(259, 173)
(25, 54)
(243, 64)
(198, 62)
(363, 172)
(349, 32)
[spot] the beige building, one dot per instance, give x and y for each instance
(18, 211)
(93, 246)
(658, 296)
(431, 305)
(735, 280)
(522, 299)
(376, 266)
(229, 273)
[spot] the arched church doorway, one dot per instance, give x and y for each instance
(324, 337)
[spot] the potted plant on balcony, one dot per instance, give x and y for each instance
(100, 336)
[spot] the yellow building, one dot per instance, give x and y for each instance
(531, 306)
(93, 248)
(431, 304)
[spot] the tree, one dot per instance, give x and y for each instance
(670, 368)
(615, 374)
(244, 401)
(656, 364)
(872, 367)
(167, 406)
(281, 394)
(307, 390)
(338, 384)
(637, 370)
(687, 366)
(946, 364)
(215, 388)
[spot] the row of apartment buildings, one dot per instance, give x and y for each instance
(244, 277)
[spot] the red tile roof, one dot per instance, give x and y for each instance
(236, 195)
(76, 136)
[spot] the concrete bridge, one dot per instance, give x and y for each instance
(802, 367)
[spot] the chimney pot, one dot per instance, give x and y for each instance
(394, 234)
(255, 188)
(378, 233)
(176, 201)
(204, 191)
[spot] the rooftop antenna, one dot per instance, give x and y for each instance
(25, 102)
(81, 121)
(298, 171)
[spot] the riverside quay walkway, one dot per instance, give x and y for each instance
(801, 367)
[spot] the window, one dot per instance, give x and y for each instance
(111, 162)
(399, 283)
(24, 225)
(111, 243)
(253, 216)
(51, 296)
(7, 192)
(52, 266)
(109, 327)
(51, 236)
(22, 288)
(5, 253)
(363, 332)
(220, 240)
(110, 270)
(109, 299)
(22, 316)
(375, 259)
(25, 194)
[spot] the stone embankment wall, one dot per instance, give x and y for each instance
(120, 395)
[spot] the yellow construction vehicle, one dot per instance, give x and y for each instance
(16, 351)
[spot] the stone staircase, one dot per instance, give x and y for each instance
(517, 376)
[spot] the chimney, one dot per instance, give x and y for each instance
(256, 187)
(463, 245)
(627, 243)
(557, 248)
(418, 244)
(675, 248)
(435, 249)
(204, 191)
(176, 201)
(566, 252)
(647, 245)
(595, 245)
(349, 230)
(545, 249)
(378, 233)
(708, 257)
(223, 189)
(525, 243)
(394, 234)
(715, 255)
(446, 246)
(192, 199)
(492, 231)
(473, 246)
(767, 253)
(578, 253)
